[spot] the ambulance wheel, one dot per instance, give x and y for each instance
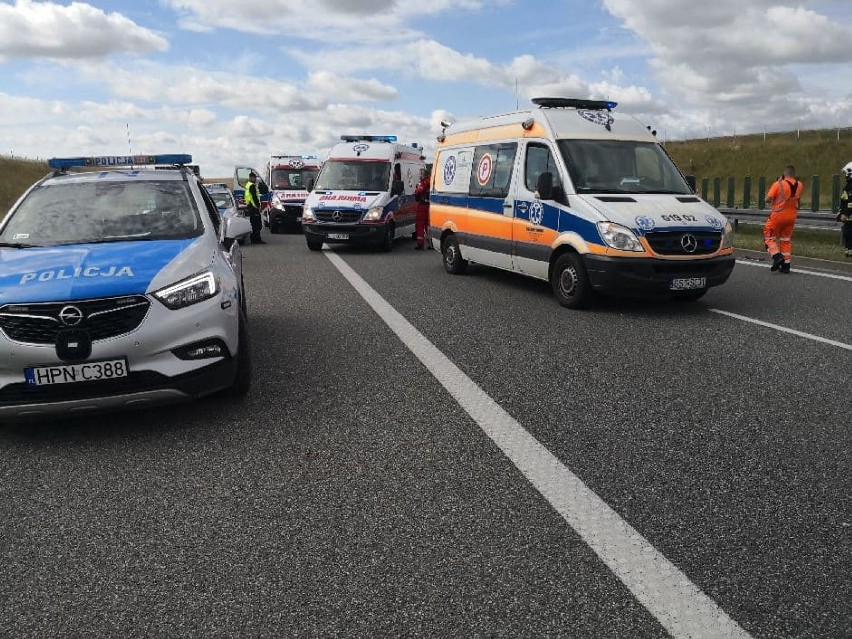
(387, 239)
(453, 262)
(274, 228)
(314, 245)
(570, 281)
(242, 378)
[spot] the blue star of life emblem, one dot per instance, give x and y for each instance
(645, 223)
(536, 213)
(715, 222)
(450, 170)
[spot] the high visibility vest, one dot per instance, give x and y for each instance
(784, 196)
(248, 197)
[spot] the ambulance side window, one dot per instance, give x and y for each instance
(541, 160)
(491, 174)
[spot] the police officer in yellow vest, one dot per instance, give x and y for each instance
(253, 205)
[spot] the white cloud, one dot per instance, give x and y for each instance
(50, 30)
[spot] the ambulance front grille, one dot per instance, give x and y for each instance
(335, 215)
(678, 242)
(102, 318)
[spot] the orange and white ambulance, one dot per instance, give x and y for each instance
(576, 194)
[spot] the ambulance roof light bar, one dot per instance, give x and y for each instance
(115, 161)
(368, 138)
(304, 157)
(574, 103)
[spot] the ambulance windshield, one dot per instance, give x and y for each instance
(621, 166)
(292, 179)
(354, 175)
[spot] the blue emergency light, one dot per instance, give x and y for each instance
(368, 138)
(114, 161)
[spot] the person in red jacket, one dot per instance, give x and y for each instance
(784, 196)
(421, 195)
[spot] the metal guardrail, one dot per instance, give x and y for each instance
(810, 219)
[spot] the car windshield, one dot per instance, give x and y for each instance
(103, 211)
(222, 199)
(621, 166)
(293, 179)
(354, 175)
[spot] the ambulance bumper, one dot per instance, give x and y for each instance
(651, 276)
(345, 233)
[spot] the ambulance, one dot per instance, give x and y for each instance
(364, 193)
(289, 177)
(575, 194)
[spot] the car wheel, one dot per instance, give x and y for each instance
(314, 245)
(387, 239)
(453, 262)
(570, 281)
(242, 378)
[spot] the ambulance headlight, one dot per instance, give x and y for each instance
(189, 291)
(728, 237)
(373, 215)
(308, 215)
(619, 237)
(276, 201)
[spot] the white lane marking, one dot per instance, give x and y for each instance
(832, 276)
(783, 329)
(678, 604)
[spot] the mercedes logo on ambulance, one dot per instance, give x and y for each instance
(689, 243)
(70, 315)
(337, 216)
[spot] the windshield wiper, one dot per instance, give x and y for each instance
(18, 245)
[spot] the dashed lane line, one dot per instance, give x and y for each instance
(783, 329)
(678, 604)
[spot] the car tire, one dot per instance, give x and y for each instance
(570, 281)
(314, 245)
(453, 262)
(386, 244)
(242, 377)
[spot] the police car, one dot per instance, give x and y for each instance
(223, 198)
(117, 290)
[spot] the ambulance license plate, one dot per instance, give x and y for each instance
(687, 283)
(338, 236)
(70, 373)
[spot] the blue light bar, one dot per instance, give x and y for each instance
(368, 138)
(114, 161)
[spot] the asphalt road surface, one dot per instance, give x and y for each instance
(458, 456)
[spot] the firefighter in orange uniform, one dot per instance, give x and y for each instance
(784, 197)
(421, 195)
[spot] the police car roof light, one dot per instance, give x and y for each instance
(368, 138)
(115, 161)
(574, 103)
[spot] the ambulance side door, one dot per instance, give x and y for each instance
(536, 222)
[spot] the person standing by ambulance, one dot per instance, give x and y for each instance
(784, 197)
(421, 196)
(845, 214)
(252, 199)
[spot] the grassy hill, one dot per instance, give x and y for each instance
(16, 176)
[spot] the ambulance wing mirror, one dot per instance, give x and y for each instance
(311, 183)
(262, 188)
(398, 187)
(690, 179)
(544, 186)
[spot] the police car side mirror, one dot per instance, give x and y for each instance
(398, 187)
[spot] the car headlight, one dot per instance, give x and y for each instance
(373, 215)
(276, 201)
(308, 214)
(189, 291)
(727, 237)
(619, 237)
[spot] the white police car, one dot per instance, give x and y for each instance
(223, 198)
(119, 287)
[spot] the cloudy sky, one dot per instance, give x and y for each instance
(233, 81)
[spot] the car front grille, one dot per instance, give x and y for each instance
(678, 242)
(343, 217)
(102, 318)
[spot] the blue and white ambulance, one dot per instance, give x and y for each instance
(290, 179)
(120, 287)
(364, 193)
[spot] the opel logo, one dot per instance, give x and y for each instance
(70, 315)
(689, 243)
(337, 216)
